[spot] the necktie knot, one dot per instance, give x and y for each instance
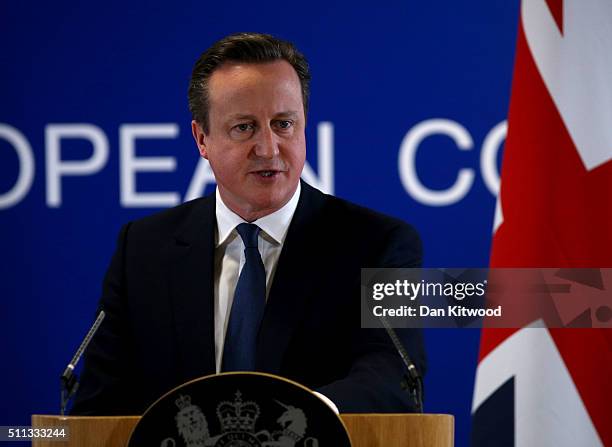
(249, 233)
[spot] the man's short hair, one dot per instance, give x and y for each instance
(241, 47)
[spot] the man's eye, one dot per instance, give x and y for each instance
(284, 124)
(242, 131)
(244, 127)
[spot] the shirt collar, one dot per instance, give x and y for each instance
(274, 225)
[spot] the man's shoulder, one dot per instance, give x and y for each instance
(341, 212)
(367, 236)
(171, 220)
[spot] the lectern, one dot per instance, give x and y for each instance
(365, 430)
(247, 409)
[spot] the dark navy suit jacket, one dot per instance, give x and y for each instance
(158, 297)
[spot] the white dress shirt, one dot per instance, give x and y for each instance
(229, 257)
(229, 260)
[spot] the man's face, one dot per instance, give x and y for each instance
(256, 144)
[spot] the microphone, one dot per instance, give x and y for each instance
(412, 382)
(69, 380)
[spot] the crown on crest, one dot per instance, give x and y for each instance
(238, 416)
(183, 402)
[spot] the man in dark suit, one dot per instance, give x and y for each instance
(264, 275)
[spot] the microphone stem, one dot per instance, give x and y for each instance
(69, 379)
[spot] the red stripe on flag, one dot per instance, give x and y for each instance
(556, 214)
(556, 9)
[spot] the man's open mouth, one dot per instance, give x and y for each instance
(267, 173)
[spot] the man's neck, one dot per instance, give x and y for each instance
(274, 224)
(251, 214)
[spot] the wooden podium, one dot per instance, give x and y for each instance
(365, 430)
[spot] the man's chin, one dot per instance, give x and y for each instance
(264, 204)
(256, 199)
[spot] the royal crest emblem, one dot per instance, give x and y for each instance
(239, 410)
(238, 422)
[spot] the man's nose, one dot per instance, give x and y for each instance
(267, 144)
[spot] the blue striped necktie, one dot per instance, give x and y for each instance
(248, 306)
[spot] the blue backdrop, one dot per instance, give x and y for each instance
(407, 114)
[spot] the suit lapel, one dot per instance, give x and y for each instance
(192, 290)
(289, 293)
(192, 286)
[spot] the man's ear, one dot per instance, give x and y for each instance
(200, 138)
